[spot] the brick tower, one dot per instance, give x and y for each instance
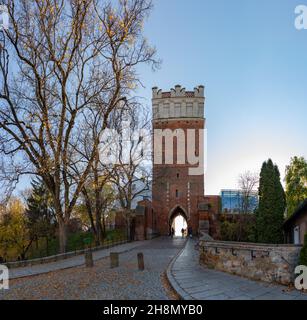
(177, 189)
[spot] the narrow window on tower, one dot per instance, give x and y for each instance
(177, 194)
(177, 175)
(189, 109)
(177, 110)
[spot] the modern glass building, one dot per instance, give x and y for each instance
(233, 201)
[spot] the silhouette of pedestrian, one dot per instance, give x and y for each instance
(182, 232)
(172, 232)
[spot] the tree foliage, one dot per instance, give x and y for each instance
(296, 183)
(237, 228)
(272, 204)
(14, 233)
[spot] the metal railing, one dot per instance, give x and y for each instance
(66, 255)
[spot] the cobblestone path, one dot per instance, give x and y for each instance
(101, 282)
(71, 262)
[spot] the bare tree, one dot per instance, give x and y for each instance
(120, 161)
(248, 183)
(132, 173)
(64, 64)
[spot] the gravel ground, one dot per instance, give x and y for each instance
(101, 282)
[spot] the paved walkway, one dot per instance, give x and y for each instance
(193, 281)
(100, 282)
(70, 262)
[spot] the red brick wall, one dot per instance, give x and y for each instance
(214, 203)
(140, 233)
(163, 201)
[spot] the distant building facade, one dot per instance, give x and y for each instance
(233, 200)
(295, 227)
(142, 191)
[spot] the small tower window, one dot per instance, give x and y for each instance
(177, 193)
(177, 175)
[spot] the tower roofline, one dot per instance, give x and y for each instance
(179, 92)
(178, 103)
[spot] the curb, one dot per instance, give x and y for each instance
(183, 295)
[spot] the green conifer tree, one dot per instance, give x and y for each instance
(272, 204)
(40, 213)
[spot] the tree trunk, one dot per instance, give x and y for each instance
(62, 235)
(23, 254)
(99, 229)
(89, 210)
(47, 246)
(104, 225)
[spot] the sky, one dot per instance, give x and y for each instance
(253, 64)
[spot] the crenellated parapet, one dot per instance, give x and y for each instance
(178, 103)
(179, 92)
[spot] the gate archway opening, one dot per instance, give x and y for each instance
(178, 221)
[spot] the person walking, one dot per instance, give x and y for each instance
(182, 232)
(172, 232)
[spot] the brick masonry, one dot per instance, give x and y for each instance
(269, 263)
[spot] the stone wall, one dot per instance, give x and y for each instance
(270, 263)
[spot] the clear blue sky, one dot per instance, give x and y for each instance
(253, 63)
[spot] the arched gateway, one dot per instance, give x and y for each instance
(178, 220)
